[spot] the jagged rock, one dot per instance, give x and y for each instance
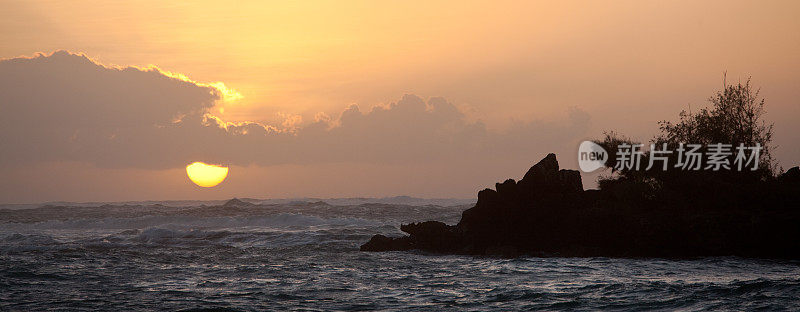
(570, 180)
(507, 188)
(544, 172)
(790, 176)
(424, 228)
(487, 196)
(428, 235)
(547, 213)
(432, 236)
(494, 219)
(545, 177)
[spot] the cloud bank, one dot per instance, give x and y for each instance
(67, 107)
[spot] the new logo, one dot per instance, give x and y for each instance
(591, 156)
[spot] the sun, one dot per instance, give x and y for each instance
(206, 175)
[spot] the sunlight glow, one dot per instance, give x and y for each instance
(226, 93)
(206, 175)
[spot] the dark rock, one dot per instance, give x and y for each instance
(432, 236)
(544, 172)
(545, 177)
(547, 213)
(424, 228)
(790, 176)
(507, 188)
(506, 251)
(428, 235)
(570, 180)
(488, 196)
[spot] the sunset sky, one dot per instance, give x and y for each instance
(372, 98)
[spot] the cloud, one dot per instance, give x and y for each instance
(67, 107)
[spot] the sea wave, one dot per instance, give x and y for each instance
(278, 221)
(306, 257)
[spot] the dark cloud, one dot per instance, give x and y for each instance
(67, 107)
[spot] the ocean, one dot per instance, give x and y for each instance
(303, 255)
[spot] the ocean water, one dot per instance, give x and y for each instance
(303, 255)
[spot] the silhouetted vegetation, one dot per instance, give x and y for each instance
(734, 118)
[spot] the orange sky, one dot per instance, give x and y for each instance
(627, 64)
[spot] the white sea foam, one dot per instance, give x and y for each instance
(283, 221)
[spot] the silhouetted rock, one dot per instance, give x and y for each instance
(507, 188)
(790, 176)
(548, 213)
(545, 177)
(543, 173)
(570, 180)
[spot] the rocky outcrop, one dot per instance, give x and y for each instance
(790, 176)
(547, 212)
(498, 220)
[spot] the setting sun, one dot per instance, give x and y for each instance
(206, 175)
